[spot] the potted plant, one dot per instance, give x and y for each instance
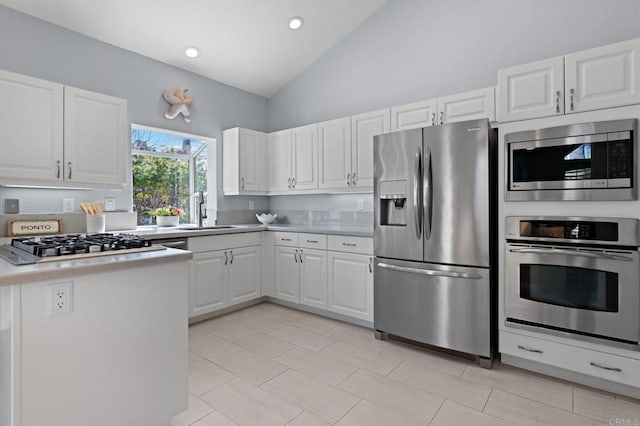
(167, 216)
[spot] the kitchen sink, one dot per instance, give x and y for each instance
(202, 228)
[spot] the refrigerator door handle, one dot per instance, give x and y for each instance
(427, 193)
(430, 272)
(417, 194)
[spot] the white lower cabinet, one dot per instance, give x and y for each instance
(351, 285)
(223, 277)
(313, 278)
(287, 274)
(609, 366)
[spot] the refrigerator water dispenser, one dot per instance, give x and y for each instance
(393, 203)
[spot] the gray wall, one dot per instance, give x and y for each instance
(412, 50)
(36, 48)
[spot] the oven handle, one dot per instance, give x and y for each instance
(571, 253)
(430, 272)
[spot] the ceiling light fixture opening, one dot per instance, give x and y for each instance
(296, 22)
(192, 52)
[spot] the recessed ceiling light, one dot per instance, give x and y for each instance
(296, 22)
(192, 52)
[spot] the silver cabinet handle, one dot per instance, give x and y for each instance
(285, 239)
(313, 241)
(433, 118)
(289, 183)
(441, 117)
(565, 252)
(348, 179)
(231, 262)
(353, 179)
(371, 265)
(241, 183)
(69, 169)
(557, 101)
(430, 272)
(535, 351)
(293, 183)
(427, 193)
(417, 192)
(300, 255)
(295, 256)
(226, 258)
(604, 367)
(349, 244)
(58, 165)
(571, 93)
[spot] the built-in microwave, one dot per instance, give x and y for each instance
(588, 161)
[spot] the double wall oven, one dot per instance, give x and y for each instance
(574, 275)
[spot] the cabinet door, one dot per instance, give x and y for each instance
(279, 160)
(415, 115)
(304, 146)
(603, 77)
(313, 278)
(244, 274)
(351, 285)
(473, 105)
(208, 289)
(363, 128)
(95, 135)
(531, 90)
(287, 274)
(249, 160)
(334, 140)
(31, 128)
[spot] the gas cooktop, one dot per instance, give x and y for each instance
(23, 251)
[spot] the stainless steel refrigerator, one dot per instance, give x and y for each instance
(435, 236)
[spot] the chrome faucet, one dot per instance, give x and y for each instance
(201, 205)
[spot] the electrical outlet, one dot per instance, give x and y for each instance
(109, 204)
(252, 205)
(11, 205)
(68, 205)
(60, 298)
(360, 204)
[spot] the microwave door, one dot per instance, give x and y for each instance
(456, 193)
(398, 220)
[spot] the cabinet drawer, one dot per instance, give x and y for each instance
(222, 242)
(607, 366)
(288, 239)
(314, 241)
(348, 244)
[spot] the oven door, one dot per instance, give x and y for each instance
(589, 291)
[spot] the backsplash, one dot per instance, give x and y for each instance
(338, 209)
(73, 222)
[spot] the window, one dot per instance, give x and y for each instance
(168, 168)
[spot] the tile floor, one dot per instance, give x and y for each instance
(270, 365)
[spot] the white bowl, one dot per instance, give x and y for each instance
(266, 218)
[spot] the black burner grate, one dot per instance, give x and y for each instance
(65, 245)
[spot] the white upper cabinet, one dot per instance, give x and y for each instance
(363, 128)
(603, 77)
(531, 90)
(415, 115)
(472, 105)
(280, 160)
(304, 156)
(334, 146)
(31, 128)
(61, 136)
(244, 162)
(95, 135)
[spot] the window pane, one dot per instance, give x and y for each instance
(200, 180)
(159, 182)
(147, 140)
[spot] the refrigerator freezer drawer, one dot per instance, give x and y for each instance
(440, 305)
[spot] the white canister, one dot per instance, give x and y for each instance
(96, 223)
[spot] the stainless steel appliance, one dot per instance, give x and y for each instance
(25, 251)
(590, 161)
(434, 237)
(574, 275)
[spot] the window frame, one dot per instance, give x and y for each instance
(209, 144)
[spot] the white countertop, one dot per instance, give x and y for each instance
(12, 274)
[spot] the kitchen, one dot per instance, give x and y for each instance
(372, 82)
